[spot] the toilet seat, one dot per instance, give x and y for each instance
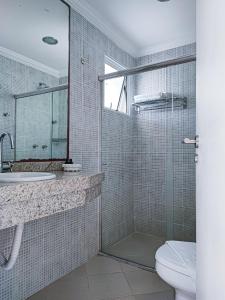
(179, 257)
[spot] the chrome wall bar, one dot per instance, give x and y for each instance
(42, 91)
(147, 68)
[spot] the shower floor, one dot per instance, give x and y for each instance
(139, 248)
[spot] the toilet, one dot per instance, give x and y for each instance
(176, 265)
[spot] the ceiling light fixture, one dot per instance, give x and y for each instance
(50, 40)
(163, 0)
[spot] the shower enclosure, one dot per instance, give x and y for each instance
(41, 124)
(148, 194)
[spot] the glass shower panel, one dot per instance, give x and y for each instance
(148, 194)
(183, 82)
(117, 193)
(33, 129)
(59, 124)
(135, 155)
(152, 179)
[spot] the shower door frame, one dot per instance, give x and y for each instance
(125, 73)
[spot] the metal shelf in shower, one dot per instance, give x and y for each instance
(161, 103)
(59, 140)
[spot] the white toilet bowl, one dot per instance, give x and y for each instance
(176, 264)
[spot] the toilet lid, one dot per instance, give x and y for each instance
(178, 256)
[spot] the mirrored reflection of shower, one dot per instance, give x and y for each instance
(41, 124)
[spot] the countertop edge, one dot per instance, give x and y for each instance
(25, 207)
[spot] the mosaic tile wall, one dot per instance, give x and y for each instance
(89, 43)
(56, 245)
(117, 163)
(51, 247)
(164, 168)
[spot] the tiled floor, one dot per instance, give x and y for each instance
(137, 247)
(103, 278)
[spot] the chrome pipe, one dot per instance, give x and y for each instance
(17, 240)
(2, 136)
(42, 91)
(149, 67)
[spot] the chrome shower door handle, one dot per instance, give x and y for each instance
(194, 142)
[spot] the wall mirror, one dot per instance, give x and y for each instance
(34, 60)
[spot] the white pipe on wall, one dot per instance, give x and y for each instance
(211, 165)
(8, 265)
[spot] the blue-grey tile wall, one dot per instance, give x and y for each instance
(51, 247)
(117, 193)
(89, 43)
(160, 154)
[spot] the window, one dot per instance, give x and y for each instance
(115, 89)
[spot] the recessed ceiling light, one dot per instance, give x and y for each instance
(50, 40)
(163, 0)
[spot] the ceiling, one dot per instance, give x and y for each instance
(138, 26)
(25, 23)
(142, 26)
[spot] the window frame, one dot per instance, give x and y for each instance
(118, 67)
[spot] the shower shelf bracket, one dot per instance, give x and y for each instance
(162, 103)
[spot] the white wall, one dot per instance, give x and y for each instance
(211, 166)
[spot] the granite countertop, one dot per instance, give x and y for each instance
(26, 201)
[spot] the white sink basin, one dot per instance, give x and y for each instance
(25, 176)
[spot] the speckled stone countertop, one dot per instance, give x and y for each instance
(26, 201)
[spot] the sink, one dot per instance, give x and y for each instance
(25, 176)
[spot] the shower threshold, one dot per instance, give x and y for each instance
(138, 249)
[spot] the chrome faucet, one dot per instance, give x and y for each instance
(2, 136)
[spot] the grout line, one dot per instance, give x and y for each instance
(104, 273)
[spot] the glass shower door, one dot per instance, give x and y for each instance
(148, 194)
(184, 155)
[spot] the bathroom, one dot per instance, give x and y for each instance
(112, 150)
